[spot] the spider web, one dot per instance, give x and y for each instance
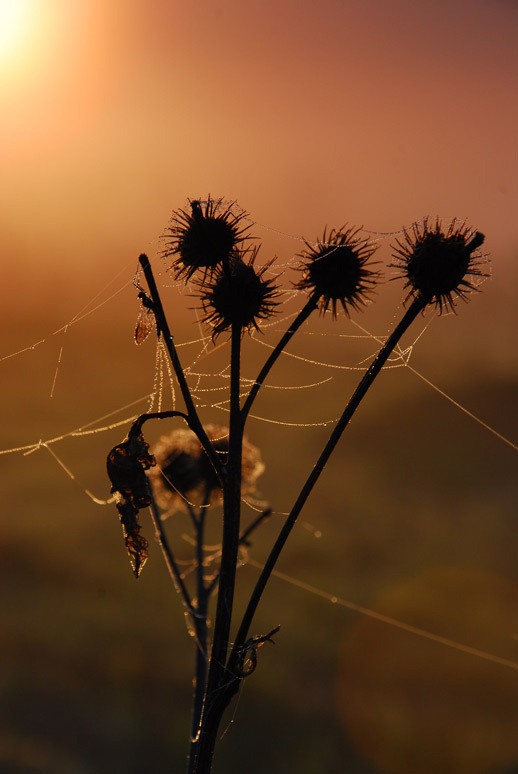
(206, 382)
(300, 396)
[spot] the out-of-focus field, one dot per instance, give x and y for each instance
(415, 518)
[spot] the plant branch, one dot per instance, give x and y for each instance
(254, 524)
(163, 330)
(415, 308)
(201, 628)
(170, 561)
(244, 539)
(302, 316)
(136, 427)
(217, 681)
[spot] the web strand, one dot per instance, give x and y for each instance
(385, 619)
(208, 379)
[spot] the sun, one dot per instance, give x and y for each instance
(13, 24)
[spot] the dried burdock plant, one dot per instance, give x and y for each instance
(183, 475)
(439, 265)
(199, 467)
(337, 269)
(238, 294)
(204, 237)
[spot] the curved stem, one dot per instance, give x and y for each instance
(302, 316)
(136, 427)
(415, 308)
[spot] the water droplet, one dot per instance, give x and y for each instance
(334, 600)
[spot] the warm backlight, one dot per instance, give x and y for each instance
(13, 23)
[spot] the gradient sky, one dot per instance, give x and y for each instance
(115, 111)
(308, 113)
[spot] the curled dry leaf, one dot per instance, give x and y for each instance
(126, 464)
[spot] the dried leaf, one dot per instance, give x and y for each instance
(136, 544)
(126, 464)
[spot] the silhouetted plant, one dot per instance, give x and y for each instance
(195, 467)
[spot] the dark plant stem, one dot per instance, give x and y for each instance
(228, 678)
(415, 308)
(218, 678)
(253, 526)
(170, 560)
(200, 679)
(243, 540)
(302, 316)
(136, 427)
(163, 330)
(201, 635)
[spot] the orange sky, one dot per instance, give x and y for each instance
(307, 113)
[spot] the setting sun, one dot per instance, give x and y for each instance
(13, 23)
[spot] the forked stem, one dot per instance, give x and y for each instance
(412, 312)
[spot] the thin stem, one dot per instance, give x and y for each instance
(170, 560)
(254, 524)
(415, 308)
(302, 316)
(201, 659)
(192, 516)
(244, 539)
(136, 427)
(218, 678)
(163, 330)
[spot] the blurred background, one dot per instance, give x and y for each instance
(308, 114)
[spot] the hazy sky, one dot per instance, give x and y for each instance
(307, 113)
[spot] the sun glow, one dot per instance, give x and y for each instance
(13, 24)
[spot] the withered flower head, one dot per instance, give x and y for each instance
(438, 264)
(184, 472)
(126, 464)
(205, 236)
(239, 294)
(336, 269)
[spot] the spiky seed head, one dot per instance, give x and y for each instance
(335, 268)
(204, 237)
(238, 294)
(184, 472)
(439, 264)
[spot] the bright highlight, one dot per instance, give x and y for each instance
(13, 14)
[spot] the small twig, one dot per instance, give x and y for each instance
(248, 652)
(136, 427)
(253, 526)
(244, 540)
(192, 515)
(170, 561)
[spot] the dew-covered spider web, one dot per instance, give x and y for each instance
(301, 400)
